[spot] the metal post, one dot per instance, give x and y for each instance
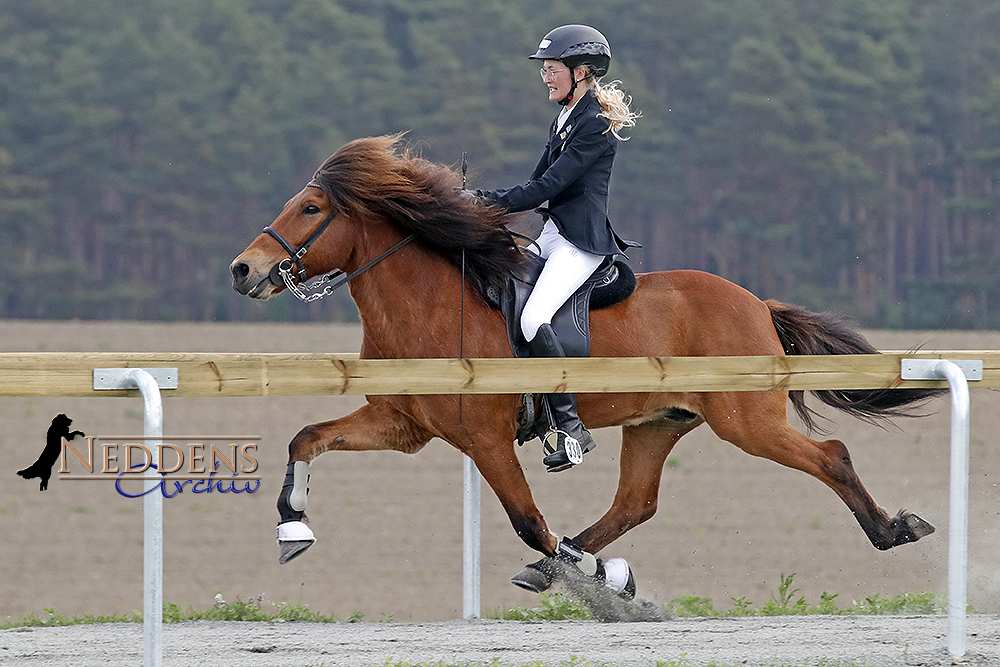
(957, 373)
(471, 540)
(152, 524)
(152, 508)
(958, 530)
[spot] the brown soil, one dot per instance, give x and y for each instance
(389, 525)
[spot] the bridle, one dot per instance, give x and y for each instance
(282, 271)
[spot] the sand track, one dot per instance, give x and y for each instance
(875, 641)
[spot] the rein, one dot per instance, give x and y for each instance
(283, 270)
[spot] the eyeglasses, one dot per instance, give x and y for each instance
(551, 73)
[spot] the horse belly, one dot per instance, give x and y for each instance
(672, 409)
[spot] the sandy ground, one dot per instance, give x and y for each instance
(873, 641)
(389, 525)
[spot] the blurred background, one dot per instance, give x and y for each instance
(839, 154)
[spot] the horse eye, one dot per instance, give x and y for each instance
(310, 210)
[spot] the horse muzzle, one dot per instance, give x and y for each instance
(252, 283)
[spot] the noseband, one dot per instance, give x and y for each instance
(282, 271)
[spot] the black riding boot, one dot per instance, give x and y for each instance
(566, 445)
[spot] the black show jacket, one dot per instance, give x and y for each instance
(573, 175)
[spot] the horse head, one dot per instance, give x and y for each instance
(284, 246)
(373, 184)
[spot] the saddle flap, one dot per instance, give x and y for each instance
(611, 283)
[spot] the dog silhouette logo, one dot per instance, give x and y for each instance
(42, 468)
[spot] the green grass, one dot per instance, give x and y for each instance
(784, 601)
(552, 607)
(256, 608)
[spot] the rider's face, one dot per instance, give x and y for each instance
(557, 78)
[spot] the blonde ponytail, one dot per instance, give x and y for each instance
(615, 104)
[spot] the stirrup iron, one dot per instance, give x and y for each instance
(562, 450)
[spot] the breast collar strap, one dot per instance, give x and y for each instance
(279, 273)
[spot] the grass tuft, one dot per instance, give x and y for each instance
(552, 607)
(255, 608)
(785, 600)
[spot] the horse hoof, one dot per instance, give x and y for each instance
(917, 526)
(534, 578)
(289, 551)
(294, 537)
(908, 527)
(618, 577)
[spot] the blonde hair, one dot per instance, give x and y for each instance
(615, 104)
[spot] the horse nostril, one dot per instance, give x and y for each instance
(240, 271)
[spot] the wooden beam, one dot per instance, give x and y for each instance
(212, 374)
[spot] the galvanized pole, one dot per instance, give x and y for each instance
(149, 381)
(152, 523)
(471, 539)
(958, 530)
(957, 373)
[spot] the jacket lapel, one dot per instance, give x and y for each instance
(557, 140)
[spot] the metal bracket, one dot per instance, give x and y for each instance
(925, 369)
(115, 378)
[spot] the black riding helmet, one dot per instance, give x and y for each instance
(573, 46)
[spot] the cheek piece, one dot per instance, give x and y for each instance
(572, 90)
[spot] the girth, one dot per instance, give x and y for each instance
(611, 283)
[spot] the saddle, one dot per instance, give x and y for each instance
(611, 283)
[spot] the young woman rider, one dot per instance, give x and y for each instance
(572, 175)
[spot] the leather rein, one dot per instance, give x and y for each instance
(281, 273)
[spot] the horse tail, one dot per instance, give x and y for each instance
(805, 332)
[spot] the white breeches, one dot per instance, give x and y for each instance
(566, 268)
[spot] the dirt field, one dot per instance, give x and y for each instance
(790, 641)
(389, 525)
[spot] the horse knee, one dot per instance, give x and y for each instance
(303, 445)
(306, 435)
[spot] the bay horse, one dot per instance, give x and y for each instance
(373, 194)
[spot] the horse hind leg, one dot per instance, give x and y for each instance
(883, 531)
(755, 422)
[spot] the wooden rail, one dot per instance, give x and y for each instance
(212, 374)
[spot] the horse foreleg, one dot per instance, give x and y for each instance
(754, 427)
(644, 449)
(498, 464)
(378, 425)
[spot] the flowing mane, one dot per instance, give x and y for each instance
(379, 176)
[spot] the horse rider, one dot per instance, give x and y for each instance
(573, 176)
